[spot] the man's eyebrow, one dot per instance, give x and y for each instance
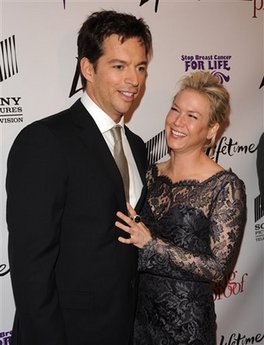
(117, 61)
(144, 62)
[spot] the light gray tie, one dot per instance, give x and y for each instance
(120, 158)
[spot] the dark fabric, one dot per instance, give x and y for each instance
(197, 229)
(73, 282)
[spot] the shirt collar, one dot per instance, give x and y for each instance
(102, 120)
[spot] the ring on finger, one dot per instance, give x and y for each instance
(136, 218)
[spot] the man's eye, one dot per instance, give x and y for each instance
(118, 66)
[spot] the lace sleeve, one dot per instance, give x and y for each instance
(227, 219)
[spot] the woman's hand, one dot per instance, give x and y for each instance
(139, 233)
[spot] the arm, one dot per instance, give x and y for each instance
(227, 223)
(35, 198)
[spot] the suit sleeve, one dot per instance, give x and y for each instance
(36, 184)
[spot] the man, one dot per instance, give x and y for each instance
(73, 282)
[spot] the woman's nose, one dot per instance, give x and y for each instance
(179, 119)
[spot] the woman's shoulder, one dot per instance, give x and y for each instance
(229, 183)
(152, 170)
(229, 176)
(155, 168)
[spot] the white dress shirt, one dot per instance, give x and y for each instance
(105, 123)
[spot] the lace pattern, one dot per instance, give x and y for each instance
(197, 229)
(197, 226)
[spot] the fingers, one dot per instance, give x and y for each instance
(124, 227)
(128, 229)
(125, 218)
(130, 209)
(139, 233)
(125, 240)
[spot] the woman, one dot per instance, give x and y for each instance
(192, 222)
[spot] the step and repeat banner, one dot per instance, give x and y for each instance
(38, 78)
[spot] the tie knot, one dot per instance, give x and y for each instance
(116, 132)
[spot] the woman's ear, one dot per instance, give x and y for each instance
(212, 131)
(87, 69)
(211, 135)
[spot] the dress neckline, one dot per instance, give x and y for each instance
(155, 172)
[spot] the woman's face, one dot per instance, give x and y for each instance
(186, 124)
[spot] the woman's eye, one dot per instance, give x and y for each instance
(142, 68)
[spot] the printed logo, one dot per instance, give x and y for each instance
(10, 110)
(142, 2)
(262, 83)
(76, 80)
(157, 147)
(5, 338)
(212, 63)
(8, 58)
(257, 6)
(232, 285)
(230, 147)
(3, 270)
(259, 221)
(239, 339)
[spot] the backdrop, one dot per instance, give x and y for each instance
(37, 78)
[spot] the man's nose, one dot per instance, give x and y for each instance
(132, 77)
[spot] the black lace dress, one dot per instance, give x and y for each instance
(197, 228)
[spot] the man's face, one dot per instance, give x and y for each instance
(119, 76)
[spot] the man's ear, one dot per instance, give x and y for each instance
(87, 69)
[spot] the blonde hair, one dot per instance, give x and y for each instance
(210, 86)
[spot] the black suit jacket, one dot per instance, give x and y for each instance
(73, 282)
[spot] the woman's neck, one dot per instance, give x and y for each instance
(188, 166)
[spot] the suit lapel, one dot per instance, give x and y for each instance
(93, 139)
(95, 142)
